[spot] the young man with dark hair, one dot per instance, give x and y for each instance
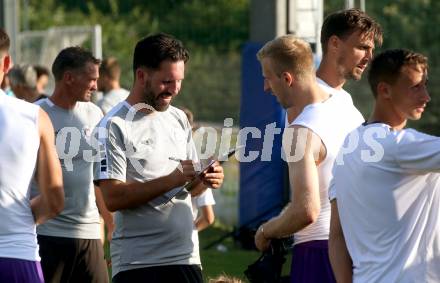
(348, 39)
(152, 239)
(71, 249)
(385, 195)
(27, 150)
(311, 143)
(108, 83)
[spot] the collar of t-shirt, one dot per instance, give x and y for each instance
(330, 89)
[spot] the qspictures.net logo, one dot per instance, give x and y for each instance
(213, 143)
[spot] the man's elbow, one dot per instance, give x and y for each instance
(305, 217)
(112, 204)
(210, 220)
(311, 215)
(112, 208)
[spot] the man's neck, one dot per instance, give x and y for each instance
(31, 95)
(112, 86)
(135, 99)
(328, 72)
(311, 94)
(385, 114)
(62, 99)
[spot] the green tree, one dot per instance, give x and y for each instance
(213, 31)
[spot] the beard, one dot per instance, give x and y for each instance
(348, 74)
(353, 75)
(152, 99)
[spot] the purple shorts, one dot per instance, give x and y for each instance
(14, 270)
(311, 264)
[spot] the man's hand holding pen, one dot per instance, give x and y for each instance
(210, 177)
(184, 172)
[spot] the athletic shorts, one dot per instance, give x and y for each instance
(72, 260)
(311, 263)
(14, 270)
(161, 274)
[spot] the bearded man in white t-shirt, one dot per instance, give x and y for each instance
(385, 194)
(348, 39)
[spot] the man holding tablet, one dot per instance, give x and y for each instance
(152, 240)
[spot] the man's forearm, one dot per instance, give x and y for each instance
(106, 215)
(119, 195)
(340, 260)
(289, 221)
(42, 209)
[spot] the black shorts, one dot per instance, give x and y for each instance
(161, 274)
(72, 260)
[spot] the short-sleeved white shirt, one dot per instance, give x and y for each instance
(388, 197)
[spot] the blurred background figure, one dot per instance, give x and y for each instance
(42, 79)
(108, 83)
(23, 82)
(204, 202)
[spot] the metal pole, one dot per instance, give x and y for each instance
(363, 5)
(11, 16)
(97, 41)
(351, 4)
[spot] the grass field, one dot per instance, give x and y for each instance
(232, 261)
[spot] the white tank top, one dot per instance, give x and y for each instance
(332, 120)
(19, 143)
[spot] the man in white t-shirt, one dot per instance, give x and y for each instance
(108, 83)
(311, 143)
(348, 38)
(385, 195)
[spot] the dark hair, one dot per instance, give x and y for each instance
(110, 68)
(41, 71)
(344, 23)
(24, 75)
(72, 58)
(387, 66)
(154, 49)
(4, 41)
